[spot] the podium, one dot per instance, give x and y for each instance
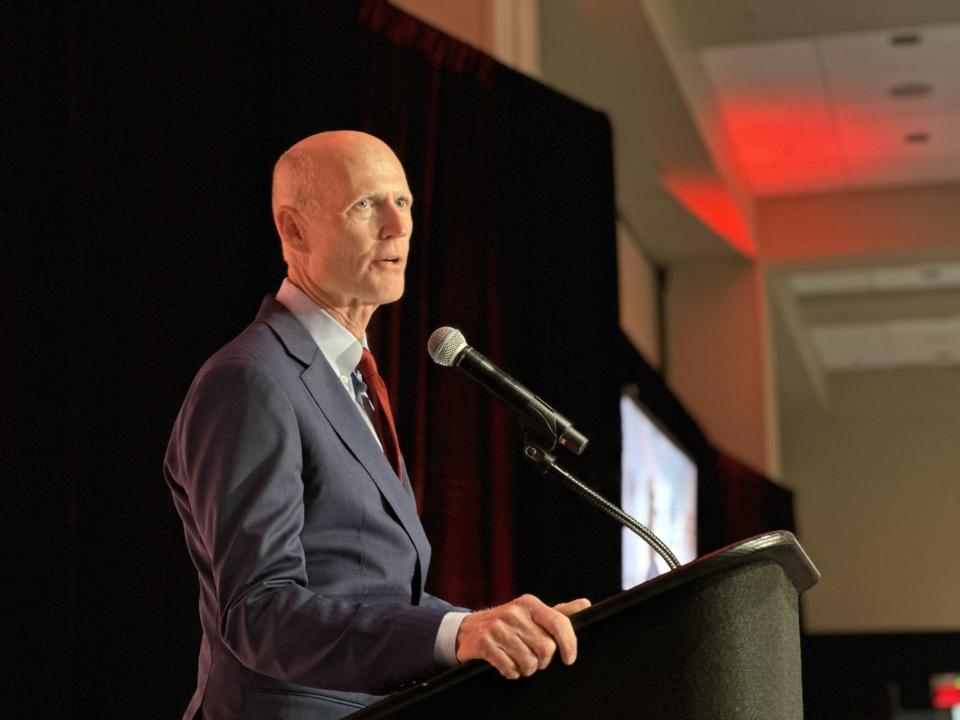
(716, 638)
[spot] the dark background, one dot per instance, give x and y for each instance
(137, 239)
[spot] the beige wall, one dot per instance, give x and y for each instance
(718, 355)
(893, 221)
(875, 468)
(639, 312)
(877, 499)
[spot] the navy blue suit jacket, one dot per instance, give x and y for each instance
(310, 555)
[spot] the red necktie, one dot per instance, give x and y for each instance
(382, 417)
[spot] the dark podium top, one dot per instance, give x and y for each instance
(716, 638)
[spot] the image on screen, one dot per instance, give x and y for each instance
(658, 488)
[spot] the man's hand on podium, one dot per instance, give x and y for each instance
(520, 637)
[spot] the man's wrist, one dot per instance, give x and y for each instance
(445, 646)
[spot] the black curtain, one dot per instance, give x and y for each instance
(137, 239)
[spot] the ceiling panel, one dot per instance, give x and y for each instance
(791, 178)
(853, 346)
(926, 276)
(872, 346)
(883, 172)
(862, 67)
(831, 282)
(903, 136)
(818, 114)
(773, 104)
(925, 342)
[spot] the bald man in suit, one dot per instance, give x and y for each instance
(300, 522)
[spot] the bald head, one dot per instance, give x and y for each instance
(341, 205)
(318, 163)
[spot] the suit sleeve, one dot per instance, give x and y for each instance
(429, 600)
(238, 458)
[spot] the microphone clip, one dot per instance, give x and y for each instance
(541, 458)
(546, 462)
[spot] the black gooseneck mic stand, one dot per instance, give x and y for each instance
(543, 427)
(539, 441)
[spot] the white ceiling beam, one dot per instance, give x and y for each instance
(797, 330)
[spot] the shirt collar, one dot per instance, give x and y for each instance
(341, 349)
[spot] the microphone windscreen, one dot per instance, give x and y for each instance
(445, 344)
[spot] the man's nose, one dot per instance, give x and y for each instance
(395, 221)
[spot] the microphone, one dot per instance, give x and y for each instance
(449, 348)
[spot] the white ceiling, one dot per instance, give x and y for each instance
(844, 111)
(880, 317)
(898, 278)
(932, 342)
(820, 133)
(837, 109)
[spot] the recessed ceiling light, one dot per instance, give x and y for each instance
(916, 137)
(910, 89)
(903, 39)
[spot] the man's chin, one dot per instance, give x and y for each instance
(390, 295)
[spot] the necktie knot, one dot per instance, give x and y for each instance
(367, 367)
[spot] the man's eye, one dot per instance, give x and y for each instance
(363, 204)
(402, 202)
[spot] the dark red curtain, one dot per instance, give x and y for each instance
(430, 96)
(751, 503)
(514, 245)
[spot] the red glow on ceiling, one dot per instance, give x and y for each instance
(708, 199)
(797, 144)
(760, 132)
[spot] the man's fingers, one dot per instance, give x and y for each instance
(543, 648)
(520, 637)
(522, 653)
(557, 623)
(507, 638)
(574, 606)
(538, 643)
(503, 663)
(568, 646)
(566, 641)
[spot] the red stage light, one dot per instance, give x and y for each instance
(945, 690)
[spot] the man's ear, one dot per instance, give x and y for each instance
(290, 228)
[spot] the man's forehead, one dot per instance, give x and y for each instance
(357, 160)
(372, 164)
(363, 172)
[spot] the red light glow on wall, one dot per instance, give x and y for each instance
(708, 199)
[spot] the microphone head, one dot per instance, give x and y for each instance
(445, 344)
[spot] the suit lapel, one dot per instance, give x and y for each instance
(343, 414)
